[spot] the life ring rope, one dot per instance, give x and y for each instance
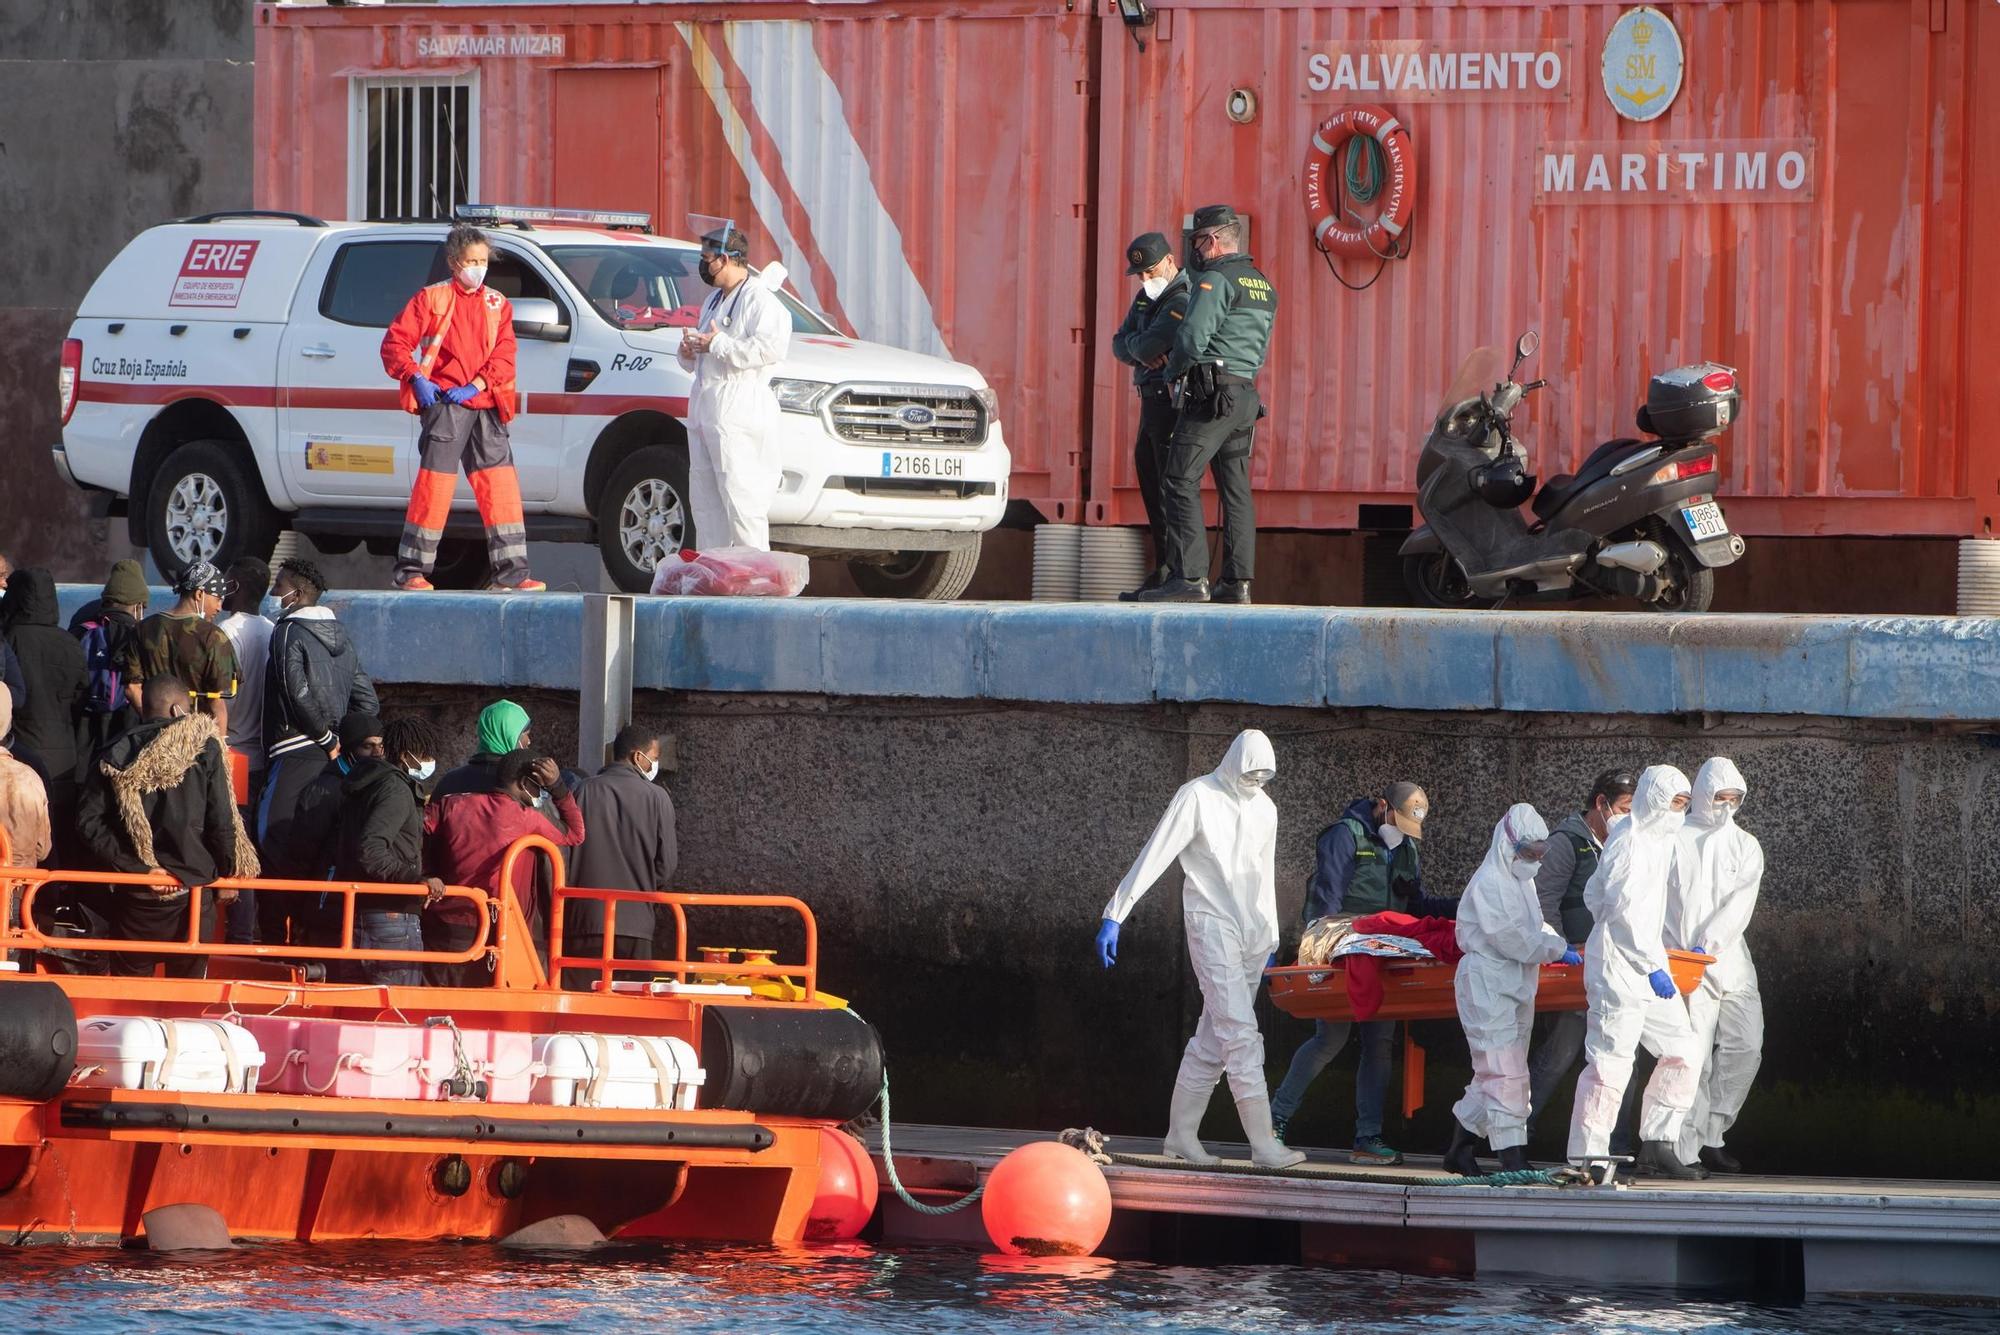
(1378, 237)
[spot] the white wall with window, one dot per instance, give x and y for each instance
(412, 147)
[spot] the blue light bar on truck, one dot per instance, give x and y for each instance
(497, 214)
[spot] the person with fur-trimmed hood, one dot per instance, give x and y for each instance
(158, 800)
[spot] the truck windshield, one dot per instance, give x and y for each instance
(654, 287)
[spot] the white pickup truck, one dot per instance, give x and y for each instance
(223, 381)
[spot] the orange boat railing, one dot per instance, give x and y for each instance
(20, 887)
(678, 967)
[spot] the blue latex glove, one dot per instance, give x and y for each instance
(425, 389)
(461, 395)
(1107, 943)
(1663, 985)
(1570, 957)
(1272, 962)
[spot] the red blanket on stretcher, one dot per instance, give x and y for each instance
(1364, 972)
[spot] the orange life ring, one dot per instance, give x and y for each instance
(1376, 238)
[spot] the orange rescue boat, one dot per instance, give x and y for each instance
(689, 1105)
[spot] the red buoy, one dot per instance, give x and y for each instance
(845, 1199)
(1046, 1199)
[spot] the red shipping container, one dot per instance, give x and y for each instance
(966, 175)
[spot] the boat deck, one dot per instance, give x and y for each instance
(1842, 1235)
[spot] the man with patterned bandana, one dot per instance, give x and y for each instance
(453, 350)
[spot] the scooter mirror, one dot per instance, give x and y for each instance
(1524, 348)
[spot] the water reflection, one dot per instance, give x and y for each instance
(844, 1287)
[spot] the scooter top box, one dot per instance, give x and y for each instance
(1692, 402)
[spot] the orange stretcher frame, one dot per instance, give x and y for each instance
(1422, 990)
(87, 1164)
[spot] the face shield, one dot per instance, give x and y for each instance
(720, 243)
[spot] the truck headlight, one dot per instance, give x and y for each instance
(800, 396)
(991, 402)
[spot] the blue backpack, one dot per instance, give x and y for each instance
(104, 691)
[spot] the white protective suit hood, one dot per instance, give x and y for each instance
(1627, 894)
(1223, 830)
(1716, 775)
(1499, 914)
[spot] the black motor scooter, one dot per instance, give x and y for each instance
(1638, 520)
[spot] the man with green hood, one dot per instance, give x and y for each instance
(503, 727)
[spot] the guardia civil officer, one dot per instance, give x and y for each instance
(1218, 350)
(1142, 343)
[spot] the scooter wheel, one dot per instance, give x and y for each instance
(1435, 579)
(1690, 584)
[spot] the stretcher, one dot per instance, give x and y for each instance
(1422, 990)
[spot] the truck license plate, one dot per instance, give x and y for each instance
(1705, 521)
(896, 464)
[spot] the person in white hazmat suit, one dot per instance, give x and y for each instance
(744, 331)
(1632, 996)
(1506, 943)
(1223, 830)
(1709, 913)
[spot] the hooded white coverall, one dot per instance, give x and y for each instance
(1710, 911)
(1224, 832)
(733, 463)
(1628, 897)
(1505, 941)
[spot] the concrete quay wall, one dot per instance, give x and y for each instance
(957, 790)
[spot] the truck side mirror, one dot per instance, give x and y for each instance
(539, 318)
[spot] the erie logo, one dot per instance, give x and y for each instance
(219, 259)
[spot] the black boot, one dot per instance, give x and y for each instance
(1175, 590)
(1658, 1158)
(1514, 1159)
(1721, 1160)
(1460, 1157)
(1231, 591)
(1160, 575)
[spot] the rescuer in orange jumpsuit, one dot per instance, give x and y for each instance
(453, 350)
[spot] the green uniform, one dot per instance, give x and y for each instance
(1382, 881)
(1228, 321)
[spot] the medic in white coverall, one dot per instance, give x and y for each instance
(1506, 943)
(1632, 996)
(1710, 912)
(743, 333)
(1223, 831)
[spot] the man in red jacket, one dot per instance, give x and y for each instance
(452, 349)
(465, 837)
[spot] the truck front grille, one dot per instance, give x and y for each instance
(929, 415)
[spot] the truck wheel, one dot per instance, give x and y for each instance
(461, 564)
(204, 505)
(643, 517)
(1435, 579)
(937, 577)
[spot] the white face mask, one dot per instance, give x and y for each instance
(471, 276)
(421, 772)
(652, 770)
(1154, 287)
(1391, 836)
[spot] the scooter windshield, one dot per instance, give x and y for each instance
(1478, 374)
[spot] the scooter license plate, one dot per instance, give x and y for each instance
(1705, 521)
(897, 464)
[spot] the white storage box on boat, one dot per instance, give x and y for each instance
(616, 1071)
(186, 1056)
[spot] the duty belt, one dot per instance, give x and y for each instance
(1156, 389)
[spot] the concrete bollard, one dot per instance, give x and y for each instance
(569, 1232)
(186, 1227)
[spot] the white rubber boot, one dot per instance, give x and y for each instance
(1184, 1126)
(1266, 1150)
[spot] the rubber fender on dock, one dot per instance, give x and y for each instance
(37, 1040)
(822, 1064)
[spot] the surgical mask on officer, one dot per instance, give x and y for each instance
(471, 276)
(1155, 286)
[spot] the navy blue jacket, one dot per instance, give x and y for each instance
(1333, 868)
